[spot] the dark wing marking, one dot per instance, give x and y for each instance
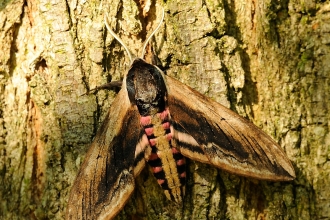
(206, 131)
(106, 177)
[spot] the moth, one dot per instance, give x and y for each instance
(157, 120)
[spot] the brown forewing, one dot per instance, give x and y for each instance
(209, 132)
(106, 177)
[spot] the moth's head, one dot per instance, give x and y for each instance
(144, 82)
(146, 87)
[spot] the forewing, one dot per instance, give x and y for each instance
(106, 177)
(206, 131)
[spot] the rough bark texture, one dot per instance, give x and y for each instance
(267, 60)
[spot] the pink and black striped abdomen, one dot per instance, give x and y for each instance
(156, 165)
(167, 163)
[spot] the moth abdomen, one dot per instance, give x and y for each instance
(167, 163)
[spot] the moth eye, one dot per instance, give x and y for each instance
(140, 102)
(156, 77)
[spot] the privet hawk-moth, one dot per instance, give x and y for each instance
(156, 119)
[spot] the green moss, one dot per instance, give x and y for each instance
(3, 4)
(305, 57)
(304, 19)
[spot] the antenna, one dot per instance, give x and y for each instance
(117, 38)
(152, 34)
(122, 43)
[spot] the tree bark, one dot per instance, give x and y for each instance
(266, 60)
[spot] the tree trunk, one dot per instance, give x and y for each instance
(266, 60)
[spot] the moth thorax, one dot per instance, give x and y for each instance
(146, 87)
